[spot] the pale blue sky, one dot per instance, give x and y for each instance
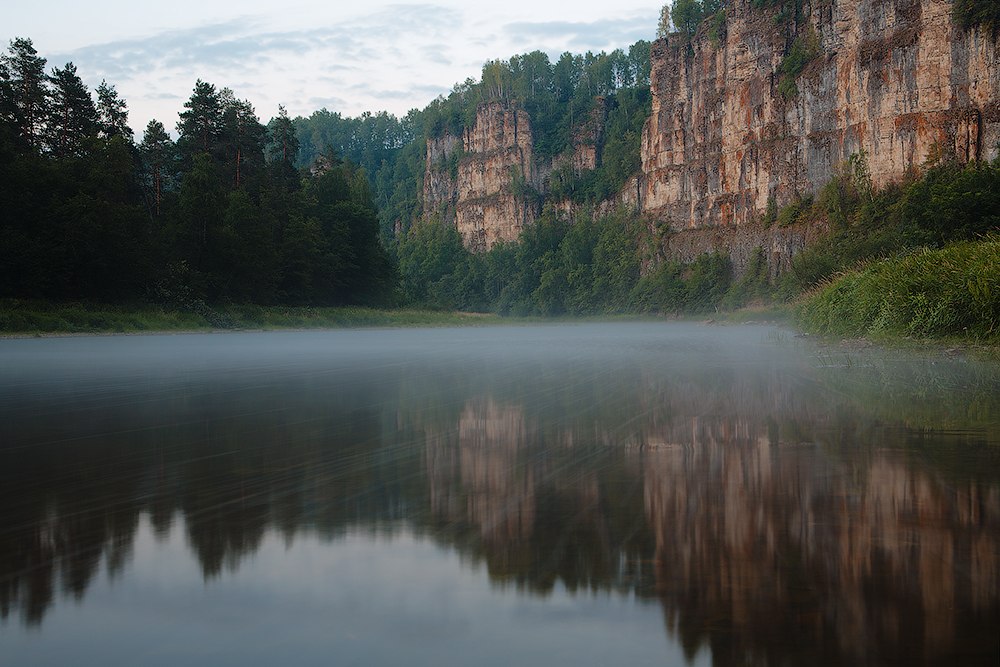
(347, 57)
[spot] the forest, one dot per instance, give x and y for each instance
(221, 214)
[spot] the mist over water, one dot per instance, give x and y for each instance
(568, 494)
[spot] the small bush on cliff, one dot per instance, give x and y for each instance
(795, 211)
(804, 50)
(969, 14)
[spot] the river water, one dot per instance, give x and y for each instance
(593, 494)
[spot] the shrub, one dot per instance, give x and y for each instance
(925, 293)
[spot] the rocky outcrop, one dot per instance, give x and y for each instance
(489, 182)
(892, 79)
(483, 181)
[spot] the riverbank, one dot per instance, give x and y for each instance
(950, 295)
(33, 318)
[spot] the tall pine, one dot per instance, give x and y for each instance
(72, 114)
(24, 80)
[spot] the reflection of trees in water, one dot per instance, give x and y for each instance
(740, 496)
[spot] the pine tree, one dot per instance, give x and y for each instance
(284, 144)
(159, 158)
(243, 139)
(201, 126)
(23, 73)
(72, 115)
(112, 113)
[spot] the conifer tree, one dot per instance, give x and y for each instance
(284, 143)
(243, 139)
(201, 124)
(72, 115)
(112, 113)
(159, 156)
(23, 72)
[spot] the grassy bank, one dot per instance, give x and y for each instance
(23, 317)
(949, 293)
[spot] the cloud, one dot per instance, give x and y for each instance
(241, 43)
(330, 103)
(392, 58)
(582, 36)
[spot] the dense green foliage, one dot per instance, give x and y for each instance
(954, 291)
(970, 14)
(557, 267)
(219, 215)
(627, 111)
(949, 203)
(685, 16)
(924, 270)
(559, 97)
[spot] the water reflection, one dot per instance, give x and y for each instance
(782, 505)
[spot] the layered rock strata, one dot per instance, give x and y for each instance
(893, 80)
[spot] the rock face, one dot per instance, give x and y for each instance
(484, 181)
(894, 80)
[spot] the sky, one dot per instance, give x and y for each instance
(347, 57)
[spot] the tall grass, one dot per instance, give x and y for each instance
(954, 291)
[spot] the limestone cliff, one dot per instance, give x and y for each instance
(483, 180)
(892, 79)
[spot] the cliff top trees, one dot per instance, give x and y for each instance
(685, 16)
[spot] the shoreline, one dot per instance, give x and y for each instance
(71, 320)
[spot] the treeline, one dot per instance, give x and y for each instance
(585, 267)
(221, 214)
(390, 150)
(557, 96)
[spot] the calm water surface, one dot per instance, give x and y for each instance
(606, 494)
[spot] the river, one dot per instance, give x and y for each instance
(589, 494)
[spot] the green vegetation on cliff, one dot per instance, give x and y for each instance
(949, 203)
(971, 14)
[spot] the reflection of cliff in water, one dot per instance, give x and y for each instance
(771, 518)
(775, 552)
(536, 506)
